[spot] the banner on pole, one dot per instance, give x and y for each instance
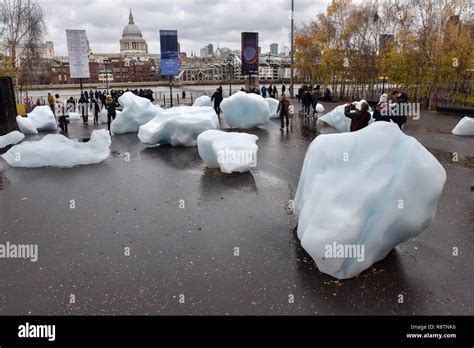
(249, 53)
(169, 63)
(78, 54)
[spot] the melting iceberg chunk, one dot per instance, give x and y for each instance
(231, 152)
(360, 194)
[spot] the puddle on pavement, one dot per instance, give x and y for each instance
(4, 182)
(447, 157)
(413, 127)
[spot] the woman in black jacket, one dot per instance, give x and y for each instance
(360, 118)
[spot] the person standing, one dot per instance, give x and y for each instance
(382, 111)
(83, 108)
(52, 103)
(400, 103)
(71, 104)
(95, 108)
(283, 111)
(111, 110)
(283, 89)
(62, 113)
(275, 92)
(307, 100)
(264, 91)
(217, 98)
(314, 101)
(360, 118)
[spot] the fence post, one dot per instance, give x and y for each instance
(164, 101)
(192, 99)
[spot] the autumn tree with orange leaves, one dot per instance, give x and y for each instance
(424, 47)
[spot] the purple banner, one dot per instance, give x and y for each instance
(249, 53)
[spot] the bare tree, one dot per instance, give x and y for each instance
(22, 24)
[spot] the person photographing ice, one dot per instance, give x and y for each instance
(359, 114)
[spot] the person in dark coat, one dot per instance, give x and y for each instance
(327, 94)
(314, 101)
(275, 92)
(382, 111)
(283, 89)
(307, 101)
(283, 111)
(111, 110)
(217, 98)
(95, 108)
(360, 118)
(399, 116)
(300, 94)
(270, 91)
(83, 108)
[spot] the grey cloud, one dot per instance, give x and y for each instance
(198, 22)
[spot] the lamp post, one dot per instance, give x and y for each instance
(231, 74)
(292, 14)
(106, 62)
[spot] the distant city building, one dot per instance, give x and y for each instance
(274, 48)
(132, 42)
(210, 50)
(132, 64)
(229, 67)
(42, 51)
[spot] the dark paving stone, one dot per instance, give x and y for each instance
(136, 204)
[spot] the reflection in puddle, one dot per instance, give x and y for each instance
(413, 127)
(4, 182)
(448, 157)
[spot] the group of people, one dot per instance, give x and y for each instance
(308, 97)
(360, 116)
(88, 103)
(272, 91)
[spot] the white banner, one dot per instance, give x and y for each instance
(78, 54)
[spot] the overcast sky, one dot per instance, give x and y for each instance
(199, 22)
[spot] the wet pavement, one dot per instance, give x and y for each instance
(161, 234)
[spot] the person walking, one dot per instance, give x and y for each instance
(52, 103)
(275, 92)
(264, 91)
(283, 111)
(360, 117)
(111, 110)
(217, 98)
(283, 89)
